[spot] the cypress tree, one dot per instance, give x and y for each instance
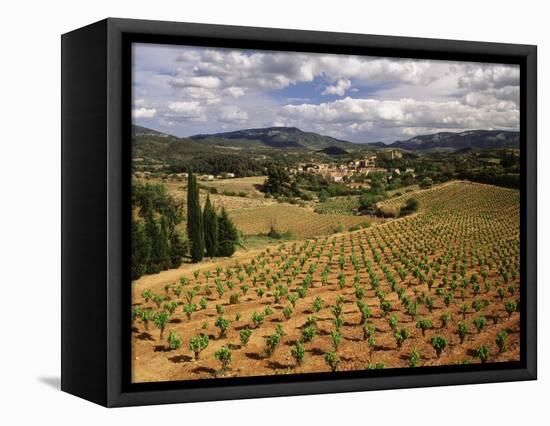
(178, 248)
(141, 249)
(164, 244)
(228, 236)
(210, 225)
(153, 235)
(194, 220)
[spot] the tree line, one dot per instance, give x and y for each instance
(156, 240)
(209, 233)
(156, 243)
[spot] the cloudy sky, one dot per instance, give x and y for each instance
(186, 90)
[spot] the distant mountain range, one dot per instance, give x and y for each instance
(275, 137)
(476, 139)
(276, 141)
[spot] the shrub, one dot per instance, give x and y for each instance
(220, 309)
(271, 343)
(368, 331)
(292, 298)
(244, 336)
(445, 319)
(400, 336)
(308, 333)
(234, 299)
(385, 306)
(502, 336)
(170, 307)
(510, 307)
(147, 295)
(483, 352)
(158, 299)
(462, 331)
(317, 304)
(430, 303)
(414, 358)
(146, 316)
(224, 356)
(161, 319)
(372, 344)
(268, 311)
(366, 312)
(479, 323)
(332, 360)
(298, 352)
(197, 344)
(464, 310)
(287, 312)
(174, 341)
(335, 339)
(203, 303)
(257, 319)
(439, 344)
(222, 324)
(424, 324)
(393, 322)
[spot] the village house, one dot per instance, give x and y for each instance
(392, 154)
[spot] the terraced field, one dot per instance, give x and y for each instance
(301, 222)
(438, 287)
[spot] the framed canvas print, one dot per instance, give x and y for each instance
(252, 212)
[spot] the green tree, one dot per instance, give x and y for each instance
(210, 225)
(195, 230)
(197, 344)
(224, 356)
(174, 341)
(244, 336)
(161, 319)
(141, 249)
(178, 249)
(439, 343)
(228, 237)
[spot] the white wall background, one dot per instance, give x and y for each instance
(30, 210)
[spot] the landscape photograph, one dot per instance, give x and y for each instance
(297, 213)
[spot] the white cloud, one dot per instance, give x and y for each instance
(187, 109)
(143, 112)
(206, 82)
(233, 115)
(404, 113)
(236, 92)
(338, 89)
(198, 90)
(476, 77)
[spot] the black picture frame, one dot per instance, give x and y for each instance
(96, 121)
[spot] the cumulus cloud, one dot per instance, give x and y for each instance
(403, 113)
(186, 109)
(236, 92)
(477, 77)
(233, 115)
(202, 90)
(338, 89)
(143, 112)
(206, 82)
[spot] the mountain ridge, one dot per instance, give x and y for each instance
(479, 139)
(285, 138)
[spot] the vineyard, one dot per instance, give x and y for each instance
(439, 287)
(301, 222)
